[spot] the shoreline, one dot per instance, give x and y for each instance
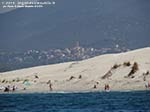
(74, 92)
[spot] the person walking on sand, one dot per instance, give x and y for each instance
(148, 84)
(14, 88)
(50, 85)
(107, 87)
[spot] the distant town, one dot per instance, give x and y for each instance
(17, 60)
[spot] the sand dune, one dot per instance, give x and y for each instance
(117, 70)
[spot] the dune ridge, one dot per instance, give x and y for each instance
(117, 70)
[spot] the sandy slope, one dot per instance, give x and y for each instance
(91, 71)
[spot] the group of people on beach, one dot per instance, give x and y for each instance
(8, 88)
(107, 87)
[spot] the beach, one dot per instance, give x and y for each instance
(127, 71)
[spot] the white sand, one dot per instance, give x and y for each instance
(91, 71)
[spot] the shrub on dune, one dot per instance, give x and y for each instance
(127, 64)
(116, 66)
(72, 77)
(134, 69)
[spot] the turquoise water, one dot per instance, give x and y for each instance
(77, 102)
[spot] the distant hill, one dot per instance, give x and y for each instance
(95, 23)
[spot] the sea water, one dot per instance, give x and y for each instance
(76, 102)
